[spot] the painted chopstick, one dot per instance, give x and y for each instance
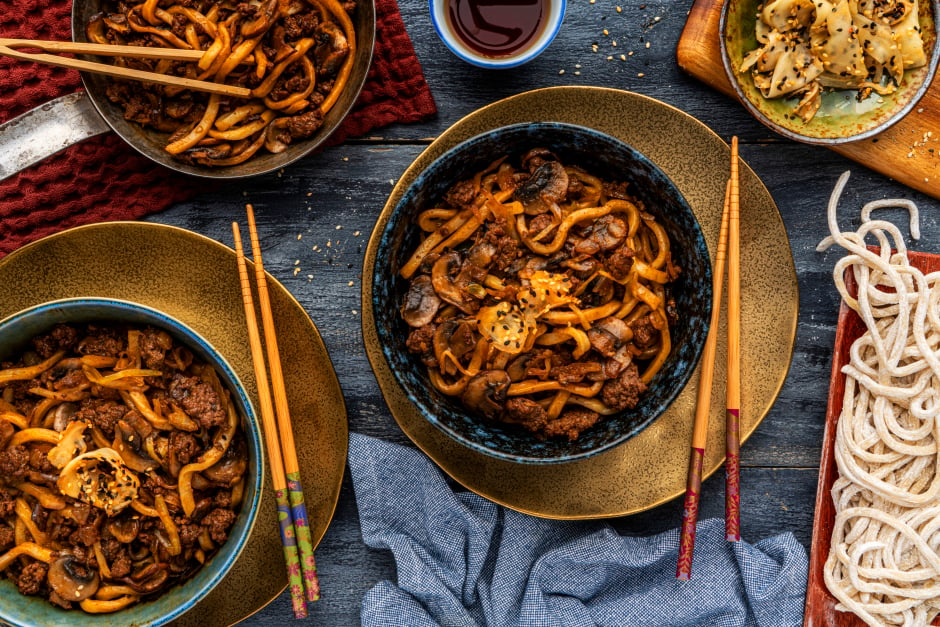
(308, 563)
(275, 462)
(702, 406)
(733, 414)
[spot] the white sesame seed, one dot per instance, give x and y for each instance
(561, 71)
(641, 74)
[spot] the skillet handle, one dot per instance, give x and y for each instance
(47, 129)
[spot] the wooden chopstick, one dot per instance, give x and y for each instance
(127, 73)
(702, 407)
(733, 415)
(275, 461)
(105, 50)
(285, 429)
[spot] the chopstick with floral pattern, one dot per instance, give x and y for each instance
(733, 415)
(275, 462)
(308, 564)
(702, 407)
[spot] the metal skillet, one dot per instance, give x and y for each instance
(64, 121)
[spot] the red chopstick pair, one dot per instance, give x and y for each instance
(728, 244)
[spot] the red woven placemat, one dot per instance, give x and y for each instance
(104, 179)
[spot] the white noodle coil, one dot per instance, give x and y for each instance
(884, 560)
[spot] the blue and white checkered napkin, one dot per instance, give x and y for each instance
(463, 560)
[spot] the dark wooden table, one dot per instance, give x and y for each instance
(303, 206)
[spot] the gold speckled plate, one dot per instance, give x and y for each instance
(650, 468)
(195, 279)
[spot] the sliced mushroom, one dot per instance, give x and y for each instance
(124, 529)
(547, 186)
(62, 415)
(608, 334)
(618, 362)
(518, 367)
(148, 578)
(231, 467)
(536, 157)
(72, 580)
(453, 290)
(331, 50)
(421, 302)
(130, 445)
(607, 233)
(454, 335)
(486, 392)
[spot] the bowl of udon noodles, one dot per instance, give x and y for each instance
(830, 71)
(304, 62)
(130, 465)
(546, 292)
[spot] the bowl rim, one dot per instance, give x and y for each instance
(364, 54)
(496, 63)
(428, 410)
(789, 133)
(254, 434)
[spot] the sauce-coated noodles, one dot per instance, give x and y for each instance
(122, 466)
(296, 56)
(539, 295)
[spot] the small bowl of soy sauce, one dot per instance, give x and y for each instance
(497, 34)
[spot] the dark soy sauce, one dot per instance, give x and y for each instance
(497, 28)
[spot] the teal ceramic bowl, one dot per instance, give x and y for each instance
(15, 333)
(841, 117)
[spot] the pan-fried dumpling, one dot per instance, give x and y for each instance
(809, 45)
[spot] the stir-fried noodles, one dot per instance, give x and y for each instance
(806, 46)
(122, 466)
(296, 56)
(539, 295)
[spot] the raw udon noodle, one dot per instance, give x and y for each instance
(122, 466)
(806, 46)
(539, 295)
(296, 56)
(884, 564)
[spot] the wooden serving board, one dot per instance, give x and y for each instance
(896, 152)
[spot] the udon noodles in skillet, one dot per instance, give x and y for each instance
(122, 466)
(539, 295)
(295, 55)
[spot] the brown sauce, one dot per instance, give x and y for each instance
(497, 28)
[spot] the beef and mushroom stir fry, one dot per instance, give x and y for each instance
(539, 295)
(296, 56)
(122, 466)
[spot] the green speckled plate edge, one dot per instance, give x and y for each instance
(651, 468)
(834, 123)
(195, 279)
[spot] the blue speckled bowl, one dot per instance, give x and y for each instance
(601, 155)
(15, 333)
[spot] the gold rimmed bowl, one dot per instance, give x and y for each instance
(603, 156)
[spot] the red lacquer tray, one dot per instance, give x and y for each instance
(820, 605)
